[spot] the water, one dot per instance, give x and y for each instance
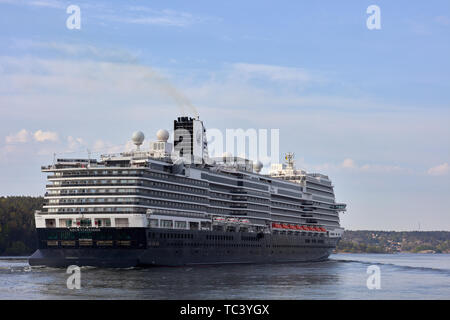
(403, 276)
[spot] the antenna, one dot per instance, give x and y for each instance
(89, 157)
(290, 159)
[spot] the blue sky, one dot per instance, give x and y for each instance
(370, 108)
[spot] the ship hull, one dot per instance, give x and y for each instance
(168, 247)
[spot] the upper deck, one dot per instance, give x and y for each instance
(164, 182)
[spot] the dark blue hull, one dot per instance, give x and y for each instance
(168, 247)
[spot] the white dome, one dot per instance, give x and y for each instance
(257, 166)
(138, 137)
(162, 135)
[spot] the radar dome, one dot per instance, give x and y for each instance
(258, 166)
(162, 135)
(138, 137)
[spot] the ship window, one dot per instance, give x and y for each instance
(65, 223)
(153, 222)
(122, 222)
(85, 222)
(180, 224)
(166, 223)
(50, 223)
(193, 225)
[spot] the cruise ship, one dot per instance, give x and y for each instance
(172, 205)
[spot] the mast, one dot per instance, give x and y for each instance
(290, 160)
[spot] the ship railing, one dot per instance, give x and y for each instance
(99, 176)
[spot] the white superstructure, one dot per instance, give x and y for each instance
(156, 187)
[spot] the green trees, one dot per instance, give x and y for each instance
(355, 247)
(366, 241)
(17, 231)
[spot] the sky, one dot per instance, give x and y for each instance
(368, 108)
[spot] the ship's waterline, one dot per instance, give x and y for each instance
(173, 205)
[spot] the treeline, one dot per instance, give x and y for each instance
(355, 247)
(17, 230)
(392, 241)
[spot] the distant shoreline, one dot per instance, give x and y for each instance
(367, 241)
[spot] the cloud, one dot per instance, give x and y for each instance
(81, 50)
(374, 168)
(443, 20)
(42, 136)
(69, 81)
(74, 144)
(134, 95)
(101, 147)
(440, 170)
(147, 16)
(377, 168)
(24, 136)
(348, 163)
(48, 4)
(271, 72)
(122, 13)
(20, 137)
(54, 4)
